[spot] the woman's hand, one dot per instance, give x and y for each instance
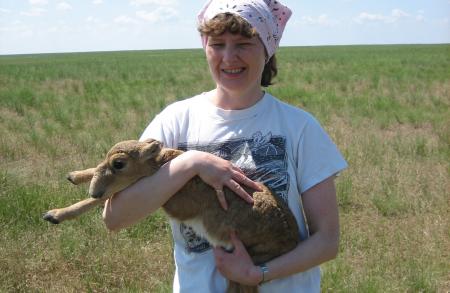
(237, 265)
(218, 173)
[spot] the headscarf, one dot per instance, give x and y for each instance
(267, 17)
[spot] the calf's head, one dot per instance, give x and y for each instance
(125, 163)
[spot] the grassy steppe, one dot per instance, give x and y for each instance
(386, 107)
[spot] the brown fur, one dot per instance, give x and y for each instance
(267, 229)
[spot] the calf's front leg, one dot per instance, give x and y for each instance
(57, 216)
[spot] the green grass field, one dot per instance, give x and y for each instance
(386, 107)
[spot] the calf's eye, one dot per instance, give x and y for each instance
(118, 165)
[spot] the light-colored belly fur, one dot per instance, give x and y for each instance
(197, 225)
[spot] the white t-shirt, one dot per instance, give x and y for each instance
(272, 142)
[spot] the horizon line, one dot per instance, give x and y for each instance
(200, 48)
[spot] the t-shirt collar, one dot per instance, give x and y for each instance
(229, 115)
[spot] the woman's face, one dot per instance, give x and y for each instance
(236, 62)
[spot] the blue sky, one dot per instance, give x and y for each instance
(41, 26)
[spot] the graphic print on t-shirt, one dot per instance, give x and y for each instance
(262, 158)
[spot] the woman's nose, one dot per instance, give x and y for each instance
(230, 53)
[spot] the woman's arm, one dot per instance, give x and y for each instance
(150, 193)
(321, 211)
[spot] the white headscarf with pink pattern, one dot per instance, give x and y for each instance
(267, 17)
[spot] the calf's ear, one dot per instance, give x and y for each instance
(149, 140)
(150, 150)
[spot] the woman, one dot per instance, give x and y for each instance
(238, 129)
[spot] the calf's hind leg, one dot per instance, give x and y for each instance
(77, 177)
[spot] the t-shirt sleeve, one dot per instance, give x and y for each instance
(319, 158)
(160, 130)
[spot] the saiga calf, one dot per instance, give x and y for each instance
(267, 228)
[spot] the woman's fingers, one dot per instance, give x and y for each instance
(237, 169)
(241, 178)
(237, 243)
(234, 183)
(238, 264)
(221, 197)
(236, 188)
(219, 173)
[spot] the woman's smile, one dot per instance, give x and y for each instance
(233, 72)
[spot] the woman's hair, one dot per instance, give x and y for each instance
(234, 24)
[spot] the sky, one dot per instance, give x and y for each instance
(53, 26)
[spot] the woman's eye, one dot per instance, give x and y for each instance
(118, 165)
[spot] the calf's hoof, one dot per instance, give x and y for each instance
(51, 218)
(71, 178)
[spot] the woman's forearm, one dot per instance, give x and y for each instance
(310, 253)
(148, 194)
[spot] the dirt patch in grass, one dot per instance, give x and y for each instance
(62, 87)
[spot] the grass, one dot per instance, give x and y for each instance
(386, 107)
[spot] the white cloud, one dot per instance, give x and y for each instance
(94, 25)
(396, 15)
(157, 15)
(161, 10)
(38, 2)
(63, 6)
(34, 12)
(321, 20)
(365, 17)
(18, 28)
(420, 16)
(443, 21)
(60, 29)
(123, 19)
(92, 19)
(97, 2)
(5, 11)
(155, 2)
